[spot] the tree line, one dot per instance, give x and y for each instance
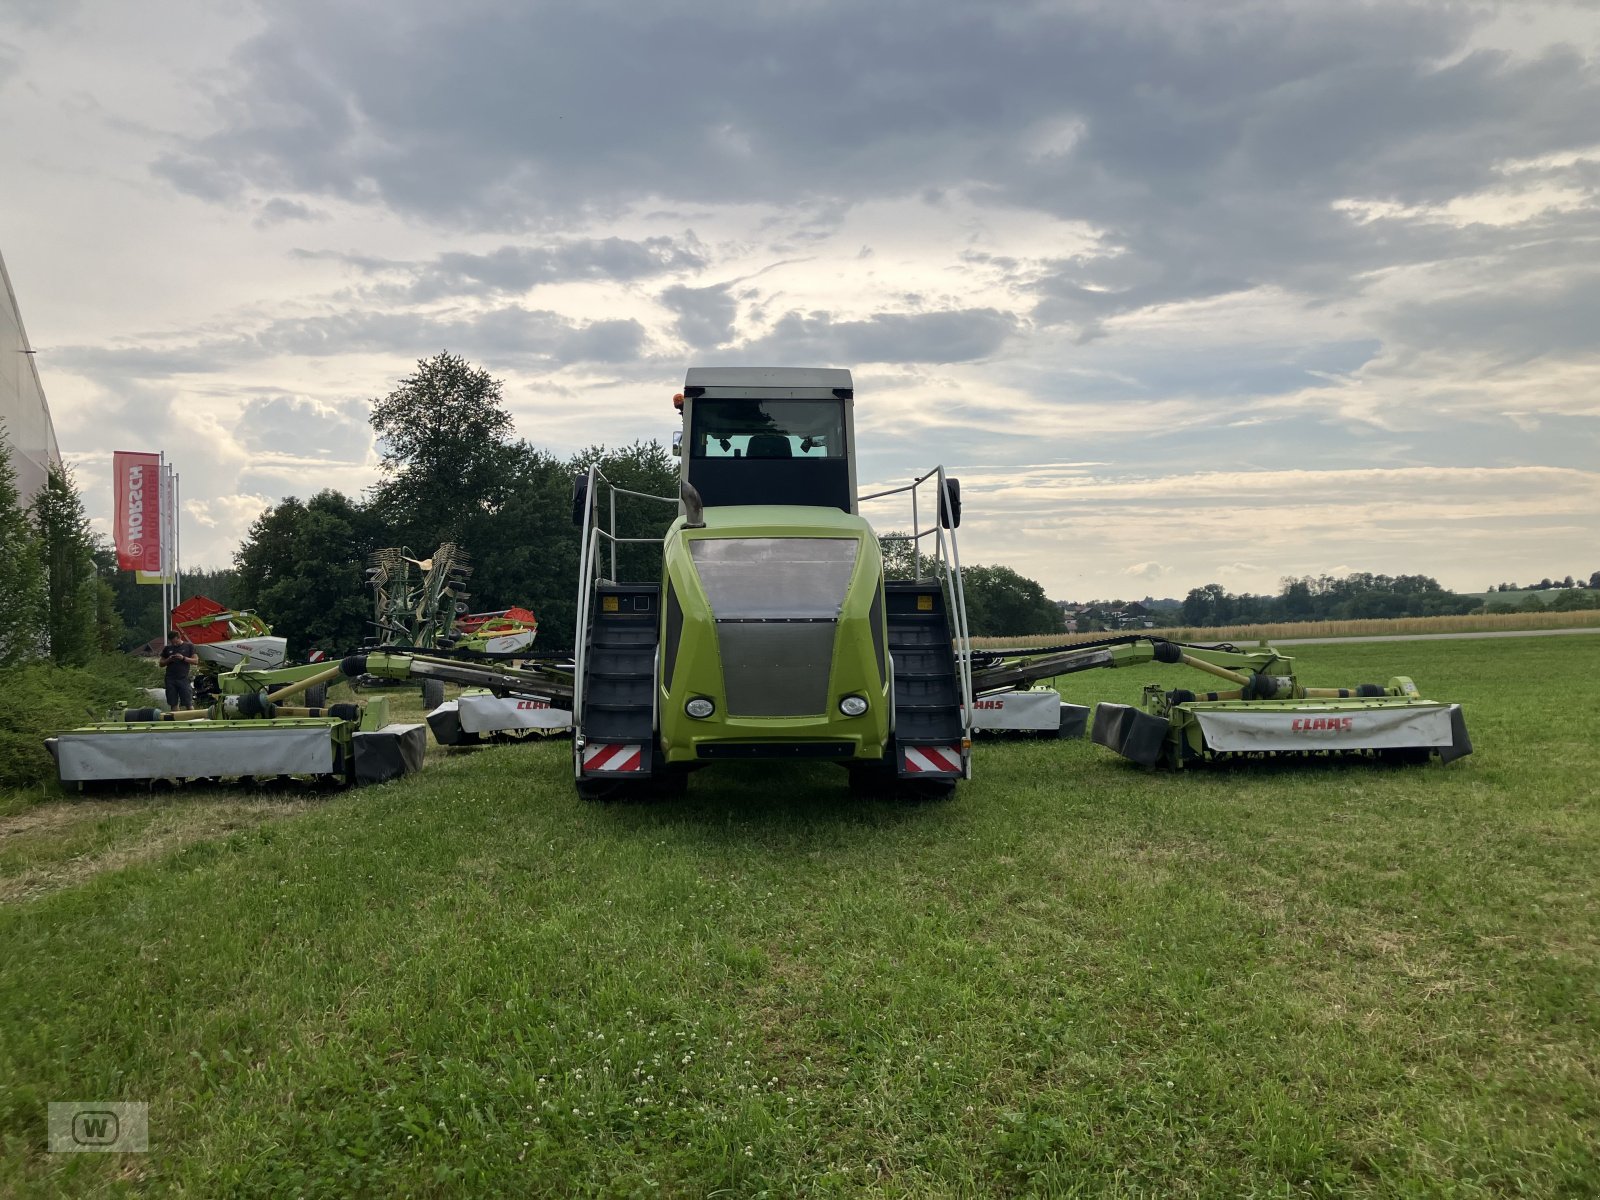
(1547, 584)
(1357, 596)
(55, 604)
(451, 470)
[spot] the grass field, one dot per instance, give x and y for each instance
(1075, 978)
(1390, 626)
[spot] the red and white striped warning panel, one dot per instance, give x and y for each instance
(939, 760)
(608, 756)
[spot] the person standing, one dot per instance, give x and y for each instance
(177, 656)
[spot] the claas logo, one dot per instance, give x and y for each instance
(1323, 724)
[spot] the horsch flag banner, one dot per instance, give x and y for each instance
(137, 480)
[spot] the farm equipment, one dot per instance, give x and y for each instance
(224, 637)
(770, 632)
(1267, 713)
(421, 604)
(260, 724)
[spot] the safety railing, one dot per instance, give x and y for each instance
(590, 561)
(945, 564)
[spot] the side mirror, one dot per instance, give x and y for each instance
(580, 497)
(677, 442)
(950, 504)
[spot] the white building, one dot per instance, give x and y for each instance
(29, 434)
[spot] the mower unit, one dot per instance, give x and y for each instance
(1268, 713)
(253, 730)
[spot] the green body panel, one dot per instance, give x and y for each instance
(241, 680)
(697, 669)
(375, 714)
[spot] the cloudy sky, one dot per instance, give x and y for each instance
(1182, 292)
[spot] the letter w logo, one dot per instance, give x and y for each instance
(95, 1128)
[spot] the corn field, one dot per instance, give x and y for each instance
(1482, 623)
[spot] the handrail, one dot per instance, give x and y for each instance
(589, 577)
(946, 558)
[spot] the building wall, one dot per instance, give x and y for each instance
(28, 431)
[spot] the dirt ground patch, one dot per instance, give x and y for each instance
(59, 845)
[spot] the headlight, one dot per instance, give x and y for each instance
(853, 706)
(700, 707)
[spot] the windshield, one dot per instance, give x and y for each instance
(768, 429)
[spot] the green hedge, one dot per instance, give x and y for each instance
(41, 698)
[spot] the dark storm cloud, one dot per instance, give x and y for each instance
(1208, 143)
(511, 335)
(1555, 316)
(705, 314)
(941, 337)
(514, 269)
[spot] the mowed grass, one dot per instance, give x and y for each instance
(1075, 978)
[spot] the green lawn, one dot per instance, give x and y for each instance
(1074, 978)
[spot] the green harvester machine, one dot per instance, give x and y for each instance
(770, 632)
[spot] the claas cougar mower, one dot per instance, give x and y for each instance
(270, 724)
(1267, 712)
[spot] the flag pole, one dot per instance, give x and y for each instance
(161, 532)
(177, 544)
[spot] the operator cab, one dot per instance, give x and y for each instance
(771, 435)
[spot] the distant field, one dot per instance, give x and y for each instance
(1310, 629)
(1075, 978)
(1544, 595)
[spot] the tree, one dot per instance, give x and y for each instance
(445, 442)
(1209, 605)
(898, 562)
(1594, 580)
(22, 579)
(302, 568)
(109, 627)
(1002, 603)
(71, 585)
(526, 551)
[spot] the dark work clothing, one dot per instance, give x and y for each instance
(175, 656)
(180, 692)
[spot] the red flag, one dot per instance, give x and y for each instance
(138, 518)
